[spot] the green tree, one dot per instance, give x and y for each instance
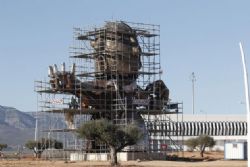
(192, 143)
(40, 145)
(205, 141)
(2, 146)
(201, 142)
(114, 136)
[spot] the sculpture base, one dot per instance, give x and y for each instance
(121, 156)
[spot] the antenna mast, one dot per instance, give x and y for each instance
(193, 79)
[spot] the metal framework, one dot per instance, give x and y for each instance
(115, 74)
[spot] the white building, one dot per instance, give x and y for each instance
(182, 127)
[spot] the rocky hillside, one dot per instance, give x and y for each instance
(15, 126)
(15, 118)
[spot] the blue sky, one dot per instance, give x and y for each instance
(196, 36)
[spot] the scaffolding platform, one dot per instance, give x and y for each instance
(93, 55)
(91, 111)
(93, 74)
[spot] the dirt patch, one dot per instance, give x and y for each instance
(195, 156)
(211, 159)
(36, 163)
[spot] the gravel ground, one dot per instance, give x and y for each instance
(35, 163)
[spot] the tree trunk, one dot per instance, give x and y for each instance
(202, 151)
(38, 155)
(113, 156)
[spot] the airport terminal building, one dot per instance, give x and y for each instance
(223, 128)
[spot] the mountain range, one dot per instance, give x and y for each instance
(16, 127)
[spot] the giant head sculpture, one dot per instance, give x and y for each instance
(118, 51)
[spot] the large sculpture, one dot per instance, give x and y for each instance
(117, 56)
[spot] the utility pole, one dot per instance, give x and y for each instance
(193, 79)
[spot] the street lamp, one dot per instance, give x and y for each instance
(247, 99)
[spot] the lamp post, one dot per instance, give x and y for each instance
(247, 100)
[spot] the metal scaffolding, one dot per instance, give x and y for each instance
(115, 74)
